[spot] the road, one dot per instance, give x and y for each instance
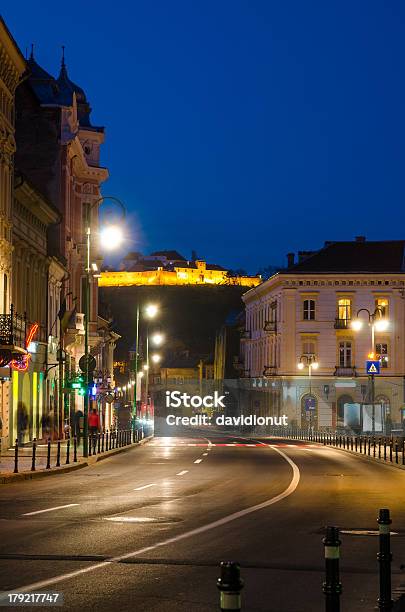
(147, 528)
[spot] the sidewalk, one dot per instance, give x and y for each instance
(124, 441)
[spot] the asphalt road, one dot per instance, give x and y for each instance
(146, 529)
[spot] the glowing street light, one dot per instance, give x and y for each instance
(111, 237)
(157, 339)
(151, 310)
(156, 358)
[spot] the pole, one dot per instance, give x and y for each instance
(384, 557)
(147, 371)
(372, 381)
(310, 395)
(136, 364)
(332, 587)
(86, 337)
(61, 381)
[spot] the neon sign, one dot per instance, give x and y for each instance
(21, 363)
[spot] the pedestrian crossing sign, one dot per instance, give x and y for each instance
(373, 367)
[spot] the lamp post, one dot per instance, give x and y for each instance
(377, 322)
(311, 363)
(111, 237)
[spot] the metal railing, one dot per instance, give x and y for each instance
(64, 452)
(13, 329)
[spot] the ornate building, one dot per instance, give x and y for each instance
(12, 66)
(303, 315)
(58, 150)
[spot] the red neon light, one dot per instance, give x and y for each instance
(22, 364)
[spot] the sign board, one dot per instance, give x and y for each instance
(373, 367)
(310, 404)
(87, 363)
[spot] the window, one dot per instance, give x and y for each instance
(344, 309)
(309, 310)
(382, 351)
(345, 354)
(308, 347)
(382, 305)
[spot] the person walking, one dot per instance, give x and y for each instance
(94, 427)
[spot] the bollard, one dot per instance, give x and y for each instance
(351, 443)
(374, 446)
(403, 454)
(385, 449)
(58, 455)
(332, 587)
(89, 445)
(75, 449)
(68, 451)
(230, 585)
(369, 446)
(391, 450)
(379, 448)
(34, 454)
(98, 442)
(355, 443)
(396, 451)
(384, 557)
(102, 442)
(16, 456)
(48, 458)
(106, 441)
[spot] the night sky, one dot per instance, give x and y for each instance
(241, 129)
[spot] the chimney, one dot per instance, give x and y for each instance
(290, 259)
(360, 239)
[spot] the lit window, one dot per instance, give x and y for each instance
(381, 350)
(345, 354)
(382, 305)
(345, 309)
(309, 310)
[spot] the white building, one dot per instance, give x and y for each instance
(304, 313)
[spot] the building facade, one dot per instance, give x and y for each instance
(303, 315)
(12, 67)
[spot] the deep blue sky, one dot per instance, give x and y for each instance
(242, 129)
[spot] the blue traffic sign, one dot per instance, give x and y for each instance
(373, 367)
(310, 404)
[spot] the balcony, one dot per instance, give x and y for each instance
(270, 327)
(270, 370)
(342, 323)
(13, 332)
(346, 371)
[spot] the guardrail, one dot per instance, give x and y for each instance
(65, 452)
(388, 448)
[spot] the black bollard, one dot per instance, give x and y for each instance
(374, 446)
(106, 441)
(230, 585)
(369, 445)
(68, 451)
(391, 450)
(98, 442)
(355, 444)
(332, 587)
(102, 442)
(385, 449)
(75, 449)
(384, 557)
(396, 451)
(48, 458)
(16, 456)
(34, 454)
(89, 444)
(403, 449)
(58, 455)
(379, 448)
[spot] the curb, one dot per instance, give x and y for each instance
(20, 476)
(368, 458)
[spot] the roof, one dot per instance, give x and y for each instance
(360, 256)
(171, 255)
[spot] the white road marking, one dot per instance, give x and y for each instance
(153, 484)
(198, 461)
(183, 536)
(49, 509)
(230, 444)
(250, 444)
(205, 454)
(182, 473)
(130, 519)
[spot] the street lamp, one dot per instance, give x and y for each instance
(311, 363)
(377, 321)
(156, 358)
(109, 237)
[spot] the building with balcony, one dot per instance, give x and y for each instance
(12, 328)
(304, 314)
